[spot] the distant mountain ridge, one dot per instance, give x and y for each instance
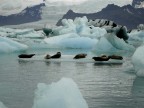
(127, 15)
(30, 14)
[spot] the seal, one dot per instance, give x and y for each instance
(26, 55)
(79, 56)
(116, 57)
(57, 55)
(47, 56)
(102, 58)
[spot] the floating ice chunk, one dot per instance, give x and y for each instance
(7, 45)
(2, 105)
(63, 94)
(120, 32)
(68, 27)
(3, 34)
(97, 32)
(79, 42)
(57, 39)
(20, 33)
(102, 23)
(55, 31)
(111, 43)
(140, 26)
(31, 35)
(71, 40)
(79, 26)
(104, 45)
(3, 29)
(138, 61)
(119, 43)
(137, 35)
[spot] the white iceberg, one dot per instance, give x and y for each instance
(2, 105)
(29, 37)
(63, 94)
(71, 40)
(7, 45)
(79, 26)
(32, 35)
(136, 35)
(111, 43)
(20, 33)
(138, 61)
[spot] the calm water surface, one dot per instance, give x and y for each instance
(103, 86)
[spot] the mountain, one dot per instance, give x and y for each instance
(30, 14)
(126, 15)
(138, 3)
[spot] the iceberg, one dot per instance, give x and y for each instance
(32, 35)
(63, 94)
(29, 37)
(79, 26)
(120, 32)
(111, 43)
(7, 45)
(85, 27)
(71, 40)
(2, 105)
(138, 62)
(75, 34)
(20, 33)
(102, 23)
(137, 35)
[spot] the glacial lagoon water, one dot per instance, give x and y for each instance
(102, 86)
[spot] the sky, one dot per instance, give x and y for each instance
(8, 7)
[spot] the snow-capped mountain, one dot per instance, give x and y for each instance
(126, 15)
(9, 7)
(138, 3)
(29, 14)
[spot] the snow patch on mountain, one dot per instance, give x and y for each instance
(8, 7)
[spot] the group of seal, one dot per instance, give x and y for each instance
(102, 58)
(78, 56)
(106, 58)
(56, 56)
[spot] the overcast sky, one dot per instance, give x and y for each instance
(14, 6)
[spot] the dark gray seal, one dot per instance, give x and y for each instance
(102, 58)
(116, 57)
(79, 56)
(57, 55)
(26, 55)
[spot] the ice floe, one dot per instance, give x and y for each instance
(62, 94)
(138, 62)
(7, 45)
(111, 43)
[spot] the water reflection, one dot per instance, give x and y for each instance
(24, 62)
(57, 64)
(108, 64)
(47, 63)
(138, 92)
(102, 85)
